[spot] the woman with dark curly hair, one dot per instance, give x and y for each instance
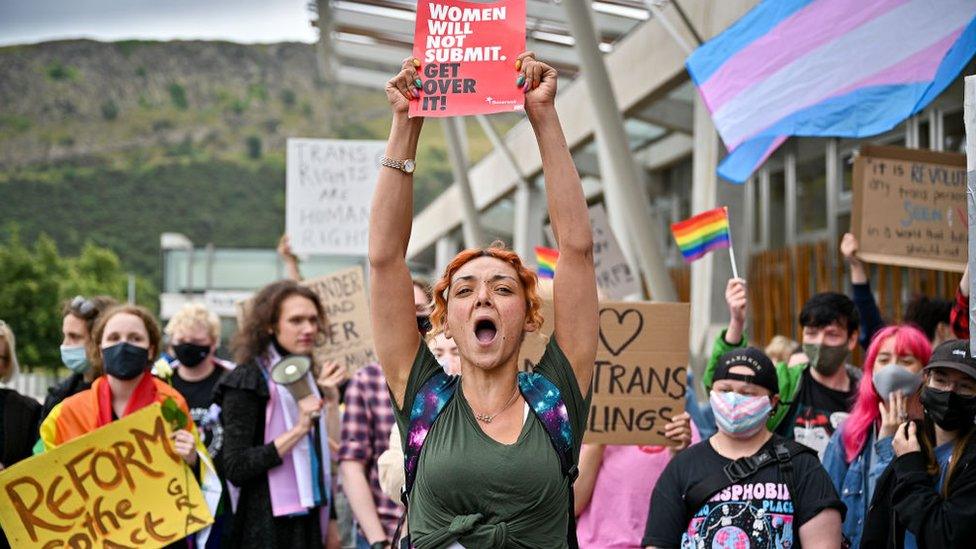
(489, 474)
(276, 449)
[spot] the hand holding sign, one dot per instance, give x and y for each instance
(537, 80)
(467, 51)
(185, 446)
(402, 88)
(678, 430)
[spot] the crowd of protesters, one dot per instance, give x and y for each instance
(444, 442)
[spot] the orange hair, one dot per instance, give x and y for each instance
(497, 250)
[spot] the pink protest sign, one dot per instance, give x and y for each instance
(467, 52)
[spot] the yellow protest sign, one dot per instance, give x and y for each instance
(118, 486)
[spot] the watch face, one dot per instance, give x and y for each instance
(408, 166)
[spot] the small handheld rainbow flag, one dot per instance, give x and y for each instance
(702, 233)
(546, 260)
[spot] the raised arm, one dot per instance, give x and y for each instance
(574, 288)
(391, 290)
(863, 298)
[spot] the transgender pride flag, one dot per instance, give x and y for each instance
(845, 68)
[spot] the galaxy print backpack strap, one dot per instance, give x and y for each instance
(431, 399)
(546, 402)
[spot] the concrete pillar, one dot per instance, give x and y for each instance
(624, 194)
(457, 152)
(444, 252)
(527, 229)
(325, 52)
(709, 275)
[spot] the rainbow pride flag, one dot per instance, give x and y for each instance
(546, 258)
(703, 233)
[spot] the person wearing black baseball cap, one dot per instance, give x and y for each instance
(927, 496)
(744, 481)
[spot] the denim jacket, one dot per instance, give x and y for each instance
(855, 482)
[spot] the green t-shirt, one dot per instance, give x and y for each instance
(479, 492)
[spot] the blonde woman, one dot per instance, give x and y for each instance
(194, 335)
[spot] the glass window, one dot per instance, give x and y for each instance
(844, 222)
(847, 171)
(777, 209)
(923, 133)
(955, 132)
(756, 198)
(811, 195)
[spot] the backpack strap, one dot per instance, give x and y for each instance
(780, 453)
(546, 402)
(428, 404)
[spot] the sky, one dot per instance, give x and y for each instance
(248, 21)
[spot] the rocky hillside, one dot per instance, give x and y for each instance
(83, 100)
(117, 142)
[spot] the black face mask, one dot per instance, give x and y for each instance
(948, 410)
(423, 324)
(191, 355)
(125, 361)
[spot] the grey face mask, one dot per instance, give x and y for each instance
(826, 359)
(893, 378)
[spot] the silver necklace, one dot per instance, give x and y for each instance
(486, 418)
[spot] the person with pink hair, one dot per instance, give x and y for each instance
(861, 448)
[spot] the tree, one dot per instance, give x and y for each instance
(35, 281)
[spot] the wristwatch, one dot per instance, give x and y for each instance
(405, 166)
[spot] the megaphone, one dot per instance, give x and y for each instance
(290, 372)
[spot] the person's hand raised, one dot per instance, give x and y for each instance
(403, 88)
(537, 80)
(737, 298)
(849, 246)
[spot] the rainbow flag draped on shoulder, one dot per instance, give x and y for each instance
(702, 233)
(546, 259)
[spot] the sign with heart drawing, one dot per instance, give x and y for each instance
(640, 372)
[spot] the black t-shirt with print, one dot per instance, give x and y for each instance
(199, 398)
(757, 512)
(817, 412)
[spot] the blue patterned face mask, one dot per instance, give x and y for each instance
(74, 358)
(740, 416)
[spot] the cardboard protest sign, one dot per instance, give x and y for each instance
(119, 486)
(969, 114)
(349, 338)
(329, 187)
(467, 52)
(910, 208)
(641, 370)
(613, 274)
